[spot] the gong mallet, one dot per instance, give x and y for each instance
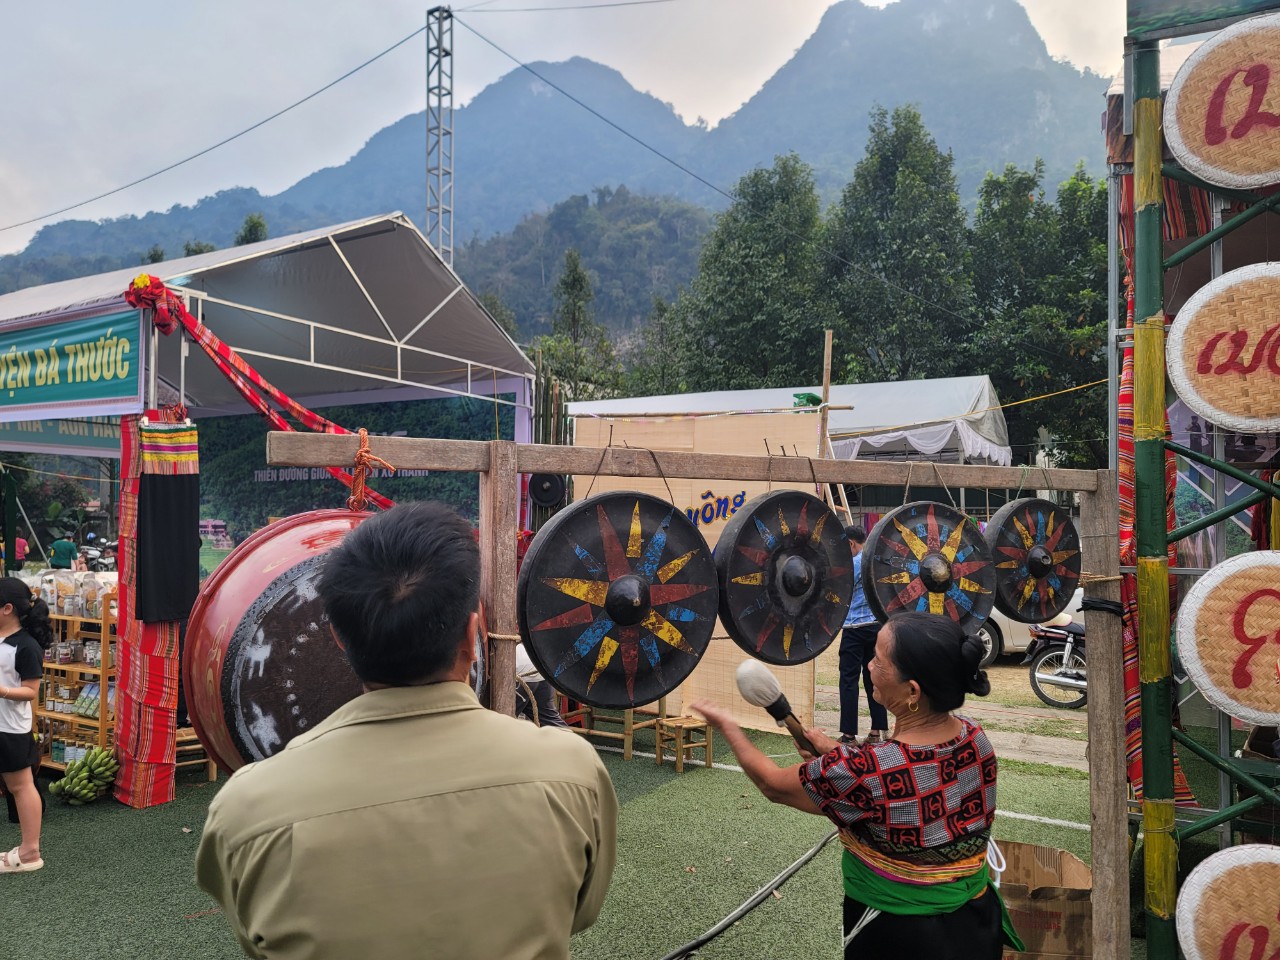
(760, 687)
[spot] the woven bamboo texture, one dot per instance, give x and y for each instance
(1211, 120)
(1229, 636)
(1224, 349)
(1227, 905)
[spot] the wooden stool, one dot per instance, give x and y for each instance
(588, 717)
(673, 730)
(191, 753)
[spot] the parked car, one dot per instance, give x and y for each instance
(1001, 636)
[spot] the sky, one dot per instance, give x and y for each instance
(104, 93)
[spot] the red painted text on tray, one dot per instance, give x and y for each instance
(1234, 344)
(1258, 79)
(1240, 674)
(1259, 938)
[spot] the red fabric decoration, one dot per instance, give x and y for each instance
(149, 293)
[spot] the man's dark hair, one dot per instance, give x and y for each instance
(934, 651)
(399, 589)
(855, 533)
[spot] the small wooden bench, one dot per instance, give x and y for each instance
(682, 735)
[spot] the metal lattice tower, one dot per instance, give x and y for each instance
(440, 131)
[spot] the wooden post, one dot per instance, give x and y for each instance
(826, 392)
(499, 500)
(1108, 789)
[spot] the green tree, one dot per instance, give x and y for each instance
(191, 248)
(754, 316)
(656, 358)
(898, 257)
(154, 255)
(500, 312)
(253, 230)
(578, 351)
(1040, 286)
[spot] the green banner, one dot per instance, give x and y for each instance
(1172, 18)
(87, 437)
(72, 368)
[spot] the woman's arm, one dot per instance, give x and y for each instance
(779, 784)
(28, 691)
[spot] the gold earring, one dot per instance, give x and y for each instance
(915, 707)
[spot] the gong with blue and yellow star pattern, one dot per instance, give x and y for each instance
(617, 599)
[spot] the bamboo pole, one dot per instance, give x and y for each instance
(1160, 851)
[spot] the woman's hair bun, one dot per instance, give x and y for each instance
(973, 650)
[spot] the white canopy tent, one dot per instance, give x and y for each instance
(955, 418)
(356, 313)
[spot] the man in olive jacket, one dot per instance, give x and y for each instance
(412, 822)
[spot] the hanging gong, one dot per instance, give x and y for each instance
(617, 599)
(929, 557)
(547, 489)
(786, 577)
(1036, 549)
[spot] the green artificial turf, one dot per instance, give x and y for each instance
(119, 882)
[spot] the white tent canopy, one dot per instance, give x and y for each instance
(360, 312)
(912, 419)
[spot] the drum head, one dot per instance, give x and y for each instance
(1036, 549)
(260, 664)
(786, 577)
(617, 599)
(929, 557)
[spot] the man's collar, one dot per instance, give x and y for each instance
(394, 703)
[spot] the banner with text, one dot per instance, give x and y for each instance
(1173, 18)
(76, 437)
(72, 368)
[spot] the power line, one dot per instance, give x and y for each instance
(220, 143)
(728, 196)
(584, 6)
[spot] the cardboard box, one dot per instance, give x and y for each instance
(1048, 895)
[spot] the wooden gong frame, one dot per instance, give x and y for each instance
(501, 462)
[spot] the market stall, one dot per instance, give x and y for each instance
(357, 313)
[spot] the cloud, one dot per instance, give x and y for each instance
(139, 84)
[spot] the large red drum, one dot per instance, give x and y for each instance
(260, 665)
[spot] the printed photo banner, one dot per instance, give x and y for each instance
(1222, 114)
(1229, 637)
(1150, 19)
(1224, 350)
(1227, 909)
(80, 368)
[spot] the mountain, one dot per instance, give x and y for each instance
(978, 71)
(980, 74)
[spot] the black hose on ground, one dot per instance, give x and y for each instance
(757, 898)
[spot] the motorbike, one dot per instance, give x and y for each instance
(100, 558)
(1056, 663)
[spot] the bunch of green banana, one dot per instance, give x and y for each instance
(87, 779)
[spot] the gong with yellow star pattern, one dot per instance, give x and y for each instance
(929, 557)
(786, 577)
(617, 599)
(1036, 548)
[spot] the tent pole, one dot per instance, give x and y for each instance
(26, 519)
(153, 366)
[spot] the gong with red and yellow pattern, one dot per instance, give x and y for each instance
(930, 557)
(1036, 549)
(786, 577)
(617, 599)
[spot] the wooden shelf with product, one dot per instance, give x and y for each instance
(74, 712)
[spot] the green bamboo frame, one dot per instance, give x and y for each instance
(1150, 527)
